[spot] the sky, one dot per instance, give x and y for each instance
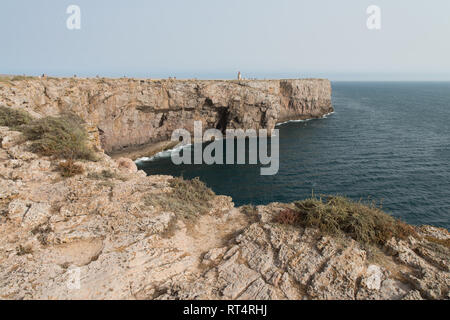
(217, 38)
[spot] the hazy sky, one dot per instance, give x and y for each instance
(216, 38)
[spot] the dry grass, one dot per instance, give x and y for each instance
(62, 137)
(107, 184)
(105, 175)
(69, 169)
(188, 199)
(249, 210)
(13, 118)
(20, 78)
(338, 216)
(6, 79)
(287, 216)
(443, 242)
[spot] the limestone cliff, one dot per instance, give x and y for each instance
(131, 113)
(103, 236)
(112, 232)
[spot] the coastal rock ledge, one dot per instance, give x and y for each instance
(134, 114)
(112, 232)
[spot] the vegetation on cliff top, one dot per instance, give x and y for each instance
(15, 78)
(337, 216)
(13, 118)
(105, 175)
(63, 137)
(69, 168)
(188, 198)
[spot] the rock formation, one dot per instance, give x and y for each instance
(132, 113)
(100, 235)
(99, 227)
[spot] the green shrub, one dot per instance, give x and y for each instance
(62, 137)
(13, 118)
(189, 198)
(337, 216)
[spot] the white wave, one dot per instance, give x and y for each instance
(327, 114)
(168, 153)
(164, 154)
(304, 120)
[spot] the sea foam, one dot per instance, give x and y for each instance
(304, 120)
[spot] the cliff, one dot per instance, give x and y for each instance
(110, 231)
(133, 113)
(114, 233)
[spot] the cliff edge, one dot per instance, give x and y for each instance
(91, 227)
(111, 232)
(130, 114)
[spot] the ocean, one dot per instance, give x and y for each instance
(386, 141)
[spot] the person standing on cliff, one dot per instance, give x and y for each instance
(239, 75)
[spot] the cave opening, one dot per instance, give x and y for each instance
(223, 115)
(263, 121)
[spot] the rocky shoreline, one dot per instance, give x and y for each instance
(101, 226)
(109, 231)
(136, 116)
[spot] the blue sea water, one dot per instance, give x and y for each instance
(389, 142)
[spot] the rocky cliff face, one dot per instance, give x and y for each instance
(104, 233)
(97, 236)
(131, 113)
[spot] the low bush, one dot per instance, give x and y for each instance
(189, 198)
(69, 169)
(62, 137)
(13, 118)
(337, 216)
(287, 216)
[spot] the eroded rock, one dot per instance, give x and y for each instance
(98, 232)
(128, 113)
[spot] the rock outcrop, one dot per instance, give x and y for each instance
(134, 113)
(94, 236)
